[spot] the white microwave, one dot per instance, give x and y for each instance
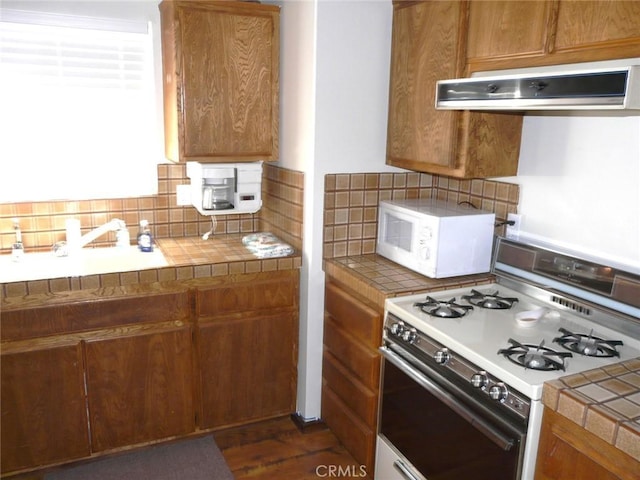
(435, 238)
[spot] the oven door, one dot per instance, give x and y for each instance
(438, 430)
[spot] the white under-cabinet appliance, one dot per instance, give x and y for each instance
(565, 87)
(463, 369)
(225, 188)
(434, 237)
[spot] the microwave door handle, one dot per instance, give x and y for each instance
(448, 399)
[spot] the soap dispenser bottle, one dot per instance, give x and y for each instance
(145, 239)
(17, 248)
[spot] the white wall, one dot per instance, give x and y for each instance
(579, 182)
(354, 48)
(297, 83)
(334, 89)
(297, 140)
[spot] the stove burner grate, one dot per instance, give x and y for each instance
(443, 309)
(489, 300)
(588, 345)
(535, 357)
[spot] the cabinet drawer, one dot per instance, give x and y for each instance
(363, 362)
(86, 313)
(357, 437)
(359, 319)
(258, 293)
(362, 400)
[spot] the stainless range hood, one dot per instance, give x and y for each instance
(597, 89)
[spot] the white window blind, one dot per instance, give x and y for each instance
(77, 108)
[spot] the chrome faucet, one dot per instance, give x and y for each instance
(76, 241)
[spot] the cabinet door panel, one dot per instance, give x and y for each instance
(227, 72)
(582, 24)
(567, 451)
(425, 47)
(139, 387)
(43, 407)
(247, 368)
(504, 28)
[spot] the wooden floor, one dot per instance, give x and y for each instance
(277, 449)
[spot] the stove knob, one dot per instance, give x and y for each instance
(480, 380)
(499, 392)
(409, 335)
(397, 329)
(442, 356)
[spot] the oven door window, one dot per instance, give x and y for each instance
(436, 440)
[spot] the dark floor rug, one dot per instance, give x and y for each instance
(191, 459)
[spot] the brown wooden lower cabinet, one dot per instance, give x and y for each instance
(86, 372)
(247, 368)
(356, 435)
(360, 399)
(361, 361)
(94, 372)
(351, 370)
(44, 416)
(139, 386)
(247, 347)
(568, 452)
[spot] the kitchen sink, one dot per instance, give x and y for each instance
(88, 261)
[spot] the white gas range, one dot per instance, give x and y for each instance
(544, 303)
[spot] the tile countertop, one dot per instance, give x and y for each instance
(378, 278)
(604, 401)
(187, 258)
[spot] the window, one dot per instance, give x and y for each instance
(78, 116)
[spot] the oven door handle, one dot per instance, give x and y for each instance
(501, 440)
(404, 471)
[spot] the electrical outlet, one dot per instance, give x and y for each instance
(183, 195)
(513, 231)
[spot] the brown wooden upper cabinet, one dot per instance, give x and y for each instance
(510, 34)
(221, 78)
(437, 40)
(428, 44)
(507, 29)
